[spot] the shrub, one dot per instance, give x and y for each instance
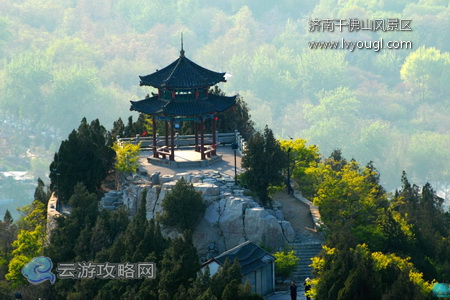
(183, 207)
(285, 263)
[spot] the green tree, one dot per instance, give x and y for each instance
(427, 157)
(5, 33)
(423, 213)
(27, 72)
(117, 130)
(83, 157)
(8, 233)
(321, 70)
(180, 264)
(263, 161)
(358, 273)
(42, 193)
(426, 71)
(7, 218)
(83, 95)
(183, 207)
(238, 117)
(72, 49)
(65, 236)
(226, 283)
(142, 15)
(227, 273)
(334, 121)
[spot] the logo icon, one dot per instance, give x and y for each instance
(38, 270)
(441, 290)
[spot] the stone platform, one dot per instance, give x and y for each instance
(225, 165)
(185, 158)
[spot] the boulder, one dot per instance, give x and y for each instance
(231, 221)
(288, 231)
(155, 178)
(263, 228)
(279, 215)
(204, 235)
(166, 178)
(276, 204)
(238, 192)
(209, 180)
(153, 202)
(207, 189)
(187, 176)
(196, 178)
(212, 214)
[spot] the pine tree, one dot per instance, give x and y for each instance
(180, 264)
(42, 193)
(83, 157)
(7, 218)
(263, 160)
(183, 207)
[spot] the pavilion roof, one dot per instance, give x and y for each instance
(182, 73)
(210, 104)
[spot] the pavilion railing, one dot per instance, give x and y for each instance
(187, 140)
(242, 143)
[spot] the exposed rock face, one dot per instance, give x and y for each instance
(230, 217)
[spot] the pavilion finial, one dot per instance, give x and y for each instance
(182, 50)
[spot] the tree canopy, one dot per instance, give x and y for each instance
(84, 157)
(183, 207)
(263, 162)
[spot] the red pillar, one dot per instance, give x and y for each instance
(167, 132)
(155, 153)
(172, 142)
(214, 134)
(202, 138)
(196, 135)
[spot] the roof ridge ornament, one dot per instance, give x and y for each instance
(182, 50)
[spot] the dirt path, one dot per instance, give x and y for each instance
(299, 215)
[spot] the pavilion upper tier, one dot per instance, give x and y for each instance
(183, 90)
(183, 74)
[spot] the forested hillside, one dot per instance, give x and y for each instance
(62, 60)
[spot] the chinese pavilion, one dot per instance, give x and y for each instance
(183, 95)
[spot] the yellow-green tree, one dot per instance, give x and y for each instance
(29, 243)
(301, 157)
(127, 156)
(358, 273)
(285, 263)
(351, 197)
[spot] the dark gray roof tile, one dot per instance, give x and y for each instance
(211, 104)
(250, 257)
(182, 73)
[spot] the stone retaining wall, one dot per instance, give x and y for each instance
(313, 208)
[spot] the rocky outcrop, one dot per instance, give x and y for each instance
(52, 214)
(230, 217)
(112, 200)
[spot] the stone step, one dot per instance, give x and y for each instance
(304, 251)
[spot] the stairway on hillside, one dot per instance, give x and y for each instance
(304, 251)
